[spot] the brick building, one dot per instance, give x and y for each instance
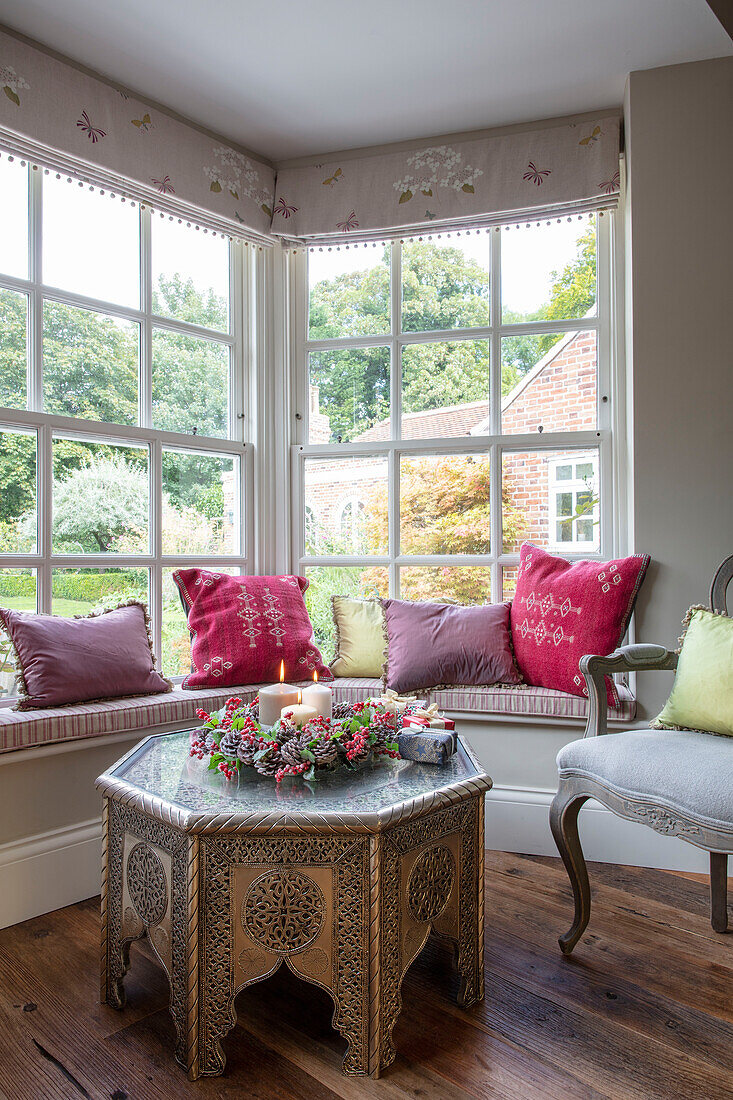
(558, 394)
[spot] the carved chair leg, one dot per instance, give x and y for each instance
(564, 824)
(719, 891)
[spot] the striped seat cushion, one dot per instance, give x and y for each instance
(177, 709)
(527, 701)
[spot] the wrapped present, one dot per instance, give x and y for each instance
(429, 718)
(393, 703)
(426, 746)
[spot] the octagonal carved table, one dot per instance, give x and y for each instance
(342, 882)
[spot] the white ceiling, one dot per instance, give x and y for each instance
(294, 77)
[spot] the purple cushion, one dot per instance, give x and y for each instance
(102, 656)
(434, 643)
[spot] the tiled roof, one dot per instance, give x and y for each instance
(432, 423)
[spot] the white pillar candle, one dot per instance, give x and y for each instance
(272, 699)
(299, 714)
(319, 696)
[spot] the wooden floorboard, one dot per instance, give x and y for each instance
(643, 1009)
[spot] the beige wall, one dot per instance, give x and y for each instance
(679, 261)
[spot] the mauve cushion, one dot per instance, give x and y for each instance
(434, 643)
(103, 656)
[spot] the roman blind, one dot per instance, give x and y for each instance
(65, 120)
(553, 170)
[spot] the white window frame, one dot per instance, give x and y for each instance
(240, 339)
(610, 419)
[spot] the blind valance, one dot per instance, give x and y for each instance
(548, 171)
(67, 120)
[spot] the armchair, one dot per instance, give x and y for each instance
(677, 782)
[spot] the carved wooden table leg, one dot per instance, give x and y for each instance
(432, 879)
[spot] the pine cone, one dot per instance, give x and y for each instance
(287, 731)
(210, 740)
(291, 749)
(325, 752)
(230, 742)
(246, 753)
(342, 710)
(252, 710)
(269, 765)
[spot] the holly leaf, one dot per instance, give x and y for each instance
(215, 761)
(215, 187)
(262, 753)
(306, 754)
(12, 95)
(310, 774)
(405, 196)
(468, 188)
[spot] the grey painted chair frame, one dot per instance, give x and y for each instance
(573, 792)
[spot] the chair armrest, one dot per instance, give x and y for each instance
(641, 657)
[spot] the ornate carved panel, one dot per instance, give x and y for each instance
(283, 911)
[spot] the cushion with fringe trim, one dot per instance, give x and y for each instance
(702, 694)
(432, 644)
(90, 658)
(563, 610)
(242, 627)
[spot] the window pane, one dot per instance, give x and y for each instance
(349, 395)
(101, 498)
(534, 511)
(349, 293)
(18, 592)
(13, 327)
(91, 243)
(445, 284)
(18, 516)
(508, 581)
(339, 580)
(200, 503)
(79, 591)
(445, 389)
(190, 384)
(14, 218)
(190, 274)
(332, 484)
(91, 364)
(464, 584)
(444, 504)
(564, 473)
(550, 382)
(549, 271)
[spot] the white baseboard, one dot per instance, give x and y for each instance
(45, 872)
(517, 821)
(60, 867)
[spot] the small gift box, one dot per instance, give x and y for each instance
(429, 718)
(426, 746)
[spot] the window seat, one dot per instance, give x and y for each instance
(177, 709)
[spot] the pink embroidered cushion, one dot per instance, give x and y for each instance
(562, 610)
(105, 655)
(243, 627)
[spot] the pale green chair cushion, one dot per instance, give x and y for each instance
(702, 695)
(360, 637)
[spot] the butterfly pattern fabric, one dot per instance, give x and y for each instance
(93, 132)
